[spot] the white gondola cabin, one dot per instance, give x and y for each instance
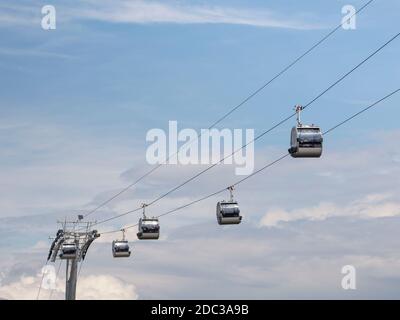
(148, 228)
(305, 140)
(228, 212)
(120, 248)
(68, 250)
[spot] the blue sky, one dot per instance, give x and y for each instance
(77, 102)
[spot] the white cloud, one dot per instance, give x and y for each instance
(24, 289)
(143, 12)
(60, 168)
(99, 287)
(371, 206)
(33, 53)
(41, 245)
(18, 15)
(102, 287)
(173, 12)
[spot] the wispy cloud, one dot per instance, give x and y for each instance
(12, 14)
(371, 206)
(33, 53)
(139, 11)
(46, 146)
(28, 15)
(148, 12)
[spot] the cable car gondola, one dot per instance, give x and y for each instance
(68, 250)
(305, 140)
(228, 212)
(120, 248)
(148, 228)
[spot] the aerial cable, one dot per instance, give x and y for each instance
(264, 167)
(244, 101)
(260, 135)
